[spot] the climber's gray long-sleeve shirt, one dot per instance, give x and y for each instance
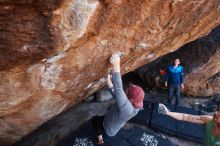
(120, 113)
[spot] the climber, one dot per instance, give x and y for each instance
(127, 104)
(174, 80)
(212, 124)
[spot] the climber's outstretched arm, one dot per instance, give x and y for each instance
(186, 117)
(119, 93)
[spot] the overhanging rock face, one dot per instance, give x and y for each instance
(55, 53)
(201, 61)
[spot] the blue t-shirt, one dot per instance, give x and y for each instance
(175, 76)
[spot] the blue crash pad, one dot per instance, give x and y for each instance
(169, 125)
(189, 130)
(161, 122)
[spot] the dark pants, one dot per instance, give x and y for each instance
(172, 89)
(98, 125)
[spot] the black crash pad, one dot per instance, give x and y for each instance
(85, 135)
(118, 139)
(161, 122)
(189, 130)
(141, 137)
(143, 117)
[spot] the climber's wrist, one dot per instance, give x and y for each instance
(116, 68)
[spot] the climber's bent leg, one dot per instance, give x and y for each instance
(99, 129)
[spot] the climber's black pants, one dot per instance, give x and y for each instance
(98, 125)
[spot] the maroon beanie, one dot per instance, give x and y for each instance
(136, 93)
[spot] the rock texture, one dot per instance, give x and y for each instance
(54, 53)
(25, 32)
(201, 61)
